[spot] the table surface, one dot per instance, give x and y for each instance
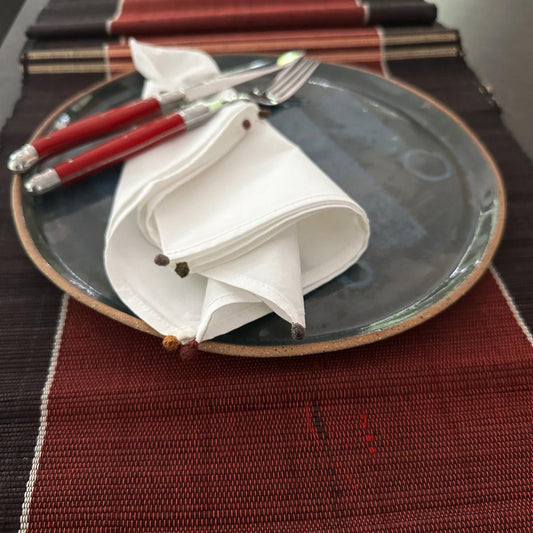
(15, 17)
(497, 45)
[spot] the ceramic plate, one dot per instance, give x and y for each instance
(432, 193)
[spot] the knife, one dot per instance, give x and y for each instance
(101, 124)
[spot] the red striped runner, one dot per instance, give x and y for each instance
(135, 17)
(427, 431)
(95, 18)
(362, 46)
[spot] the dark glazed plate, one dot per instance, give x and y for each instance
(432, 193)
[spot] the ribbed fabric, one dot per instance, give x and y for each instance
(136, 17)
(360, 46)
(427, 431)
(29, 311)
(78, 36)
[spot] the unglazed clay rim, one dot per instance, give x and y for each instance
(275, 350)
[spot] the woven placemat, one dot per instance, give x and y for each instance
(86, 18)
(427, 431)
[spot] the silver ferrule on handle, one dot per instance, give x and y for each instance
(43, 182)
(169, 101)
(23, 158)
(196, 114)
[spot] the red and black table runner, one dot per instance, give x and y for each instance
(75, 18)
(430, 431)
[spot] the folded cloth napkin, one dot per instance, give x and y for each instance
(242, 210)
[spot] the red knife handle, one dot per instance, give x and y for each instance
(94, 126)
(120, 148)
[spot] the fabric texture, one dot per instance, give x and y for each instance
(370, 47)
(29, 310)
(137, 17)
(427, 431)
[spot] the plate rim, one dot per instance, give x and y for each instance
(274, 350)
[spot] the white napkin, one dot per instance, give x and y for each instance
(257, 222)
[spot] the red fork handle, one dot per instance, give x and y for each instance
(120, 148)
(95, 126)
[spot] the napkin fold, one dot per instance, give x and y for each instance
(257, 223)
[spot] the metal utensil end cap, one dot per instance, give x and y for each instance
(23, 158)
(43, 182)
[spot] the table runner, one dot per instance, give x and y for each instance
(367, 47)
(81, 36)
(136, 17)
(427, 431)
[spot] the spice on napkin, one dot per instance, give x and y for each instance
(241, 222)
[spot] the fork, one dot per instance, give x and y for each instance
(121, 148)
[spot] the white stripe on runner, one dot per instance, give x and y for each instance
(366, 8)
(383, 53)
(117, 14)
(107, 64)
(24, 517)
(511, 304)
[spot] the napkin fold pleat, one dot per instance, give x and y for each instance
(256, 221)
(238, 287)
(167, 69)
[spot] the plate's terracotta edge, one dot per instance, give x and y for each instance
(278, 350)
